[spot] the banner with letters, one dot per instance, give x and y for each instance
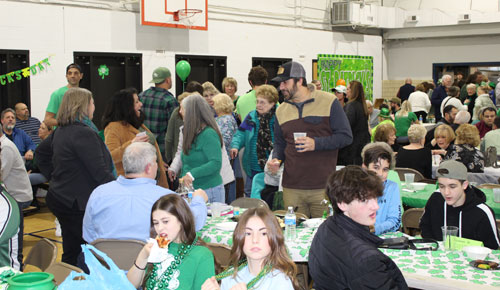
(24, 73)
(333, 67)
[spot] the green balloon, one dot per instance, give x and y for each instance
(183, 69)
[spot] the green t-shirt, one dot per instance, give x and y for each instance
(204, 160)
(402, 124)
(246, 104)
(194, 269)
(56, 100)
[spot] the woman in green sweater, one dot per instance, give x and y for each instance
(201, 149)
(188, 262)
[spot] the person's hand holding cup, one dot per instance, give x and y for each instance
(274, 165)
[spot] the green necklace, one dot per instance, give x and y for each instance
(243, 263)
(162, 281)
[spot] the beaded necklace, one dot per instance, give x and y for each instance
(243, 263)
(162, 281)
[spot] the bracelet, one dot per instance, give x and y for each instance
(142, 269)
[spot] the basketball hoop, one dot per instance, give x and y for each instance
(187, 16)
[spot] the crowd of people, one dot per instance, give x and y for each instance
(119, 183)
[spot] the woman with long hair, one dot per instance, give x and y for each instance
(78, 161)
(123, 124)
(201, 148)
(188, 263)
(259, 259)
(403, 119)
(357, 114)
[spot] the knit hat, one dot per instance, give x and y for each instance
(452, 169)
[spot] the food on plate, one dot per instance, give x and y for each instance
(162, 241)
(281, 221)
(485, 265)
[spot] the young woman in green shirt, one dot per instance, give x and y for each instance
(188, 263)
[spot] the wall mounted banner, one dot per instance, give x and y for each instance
(332, 67)
(24, 73)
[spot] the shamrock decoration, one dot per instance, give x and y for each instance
(103, 71)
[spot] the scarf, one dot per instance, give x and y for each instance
(264, 138)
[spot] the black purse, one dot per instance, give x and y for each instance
(403, 243)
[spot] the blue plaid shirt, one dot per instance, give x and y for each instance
(157, 106)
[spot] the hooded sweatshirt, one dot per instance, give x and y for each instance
(474, 219)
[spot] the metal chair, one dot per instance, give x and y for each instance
(61, 270)
(222, 254)
(401, 172)
(411, 220)
(248, 202)
(122, 252)
(42, 255)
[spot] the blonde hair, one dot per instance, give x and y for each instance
(223, 104)
(467, 134)
(185, 95)
(74, 106)
(446, 131)
(210, 88)
(267, 92)
(416, 133)
(405, 109)
(229, 81)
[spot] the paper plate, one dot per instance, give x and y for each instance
(229, 226)
(313, 223)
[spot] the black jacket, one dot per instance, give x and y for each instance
(351, 154)
(344, 255)
(77, 160)
(478, 220)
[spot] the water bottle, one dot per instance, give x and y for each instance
(190, 191)
(420, 119)
(290, 223)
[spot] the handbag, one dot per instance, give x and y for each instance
(403, 243)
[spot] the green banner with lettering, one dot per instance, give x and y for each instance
(334, 67)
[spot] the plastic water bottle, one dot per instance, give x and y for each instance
(290, 223)
(190, 191)
(420, 119)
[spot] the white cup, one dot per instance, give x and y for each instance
(216, 209)
(496, 194)
(298, 135)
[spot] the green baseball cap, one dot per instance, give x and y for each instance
(160, 74)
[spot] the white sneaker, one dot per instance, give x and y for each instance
(58, 228)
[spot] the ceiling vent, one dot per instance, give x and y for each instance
(464, 17)
(412, 18)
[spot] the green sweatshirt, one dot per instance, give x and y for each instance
(204, 160)
(9, 227)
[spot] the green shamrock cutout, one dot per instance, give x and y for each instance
(103, 71)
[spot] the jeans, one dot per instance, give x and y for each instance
(37, 178)
(248, 183)
(216, 194)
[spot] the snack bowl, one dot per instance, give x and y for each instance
(418, 185)
(476, 252)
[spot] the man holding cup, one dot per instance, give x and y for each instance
(458, 204)
(309, 158)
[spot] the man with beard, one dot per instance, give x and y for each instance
(73, 75)
(23, 142)
(28, 124)
(308, 160)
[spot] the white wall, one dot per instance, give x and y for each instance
(414, 58)
(59, 31)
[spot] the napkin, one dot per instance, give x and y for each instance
(157, 254)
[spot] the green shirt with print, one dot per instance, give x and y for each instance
(56, 100)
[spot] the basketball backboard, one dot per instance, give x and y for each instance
(187, 14)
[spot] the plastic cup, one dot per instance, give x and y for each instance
(436, 159)
(216, 209)
(409, 178)
(496, 194)
(448, 232)
(298, 135)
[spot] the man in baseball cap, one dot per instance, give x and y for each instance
(308, 160)
(158, 104)
(459, 204)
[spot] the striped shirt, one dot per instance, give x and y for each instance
(31, 127)
(158, 105)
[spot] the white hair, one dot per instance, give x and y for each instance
(368, 102)
(136, 156)
(446, 77)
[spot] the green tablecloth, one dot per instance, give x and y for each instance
(419, 199)
(298, 249)
(450, 265)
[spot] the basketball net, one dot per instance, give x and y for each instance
(187, 17)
